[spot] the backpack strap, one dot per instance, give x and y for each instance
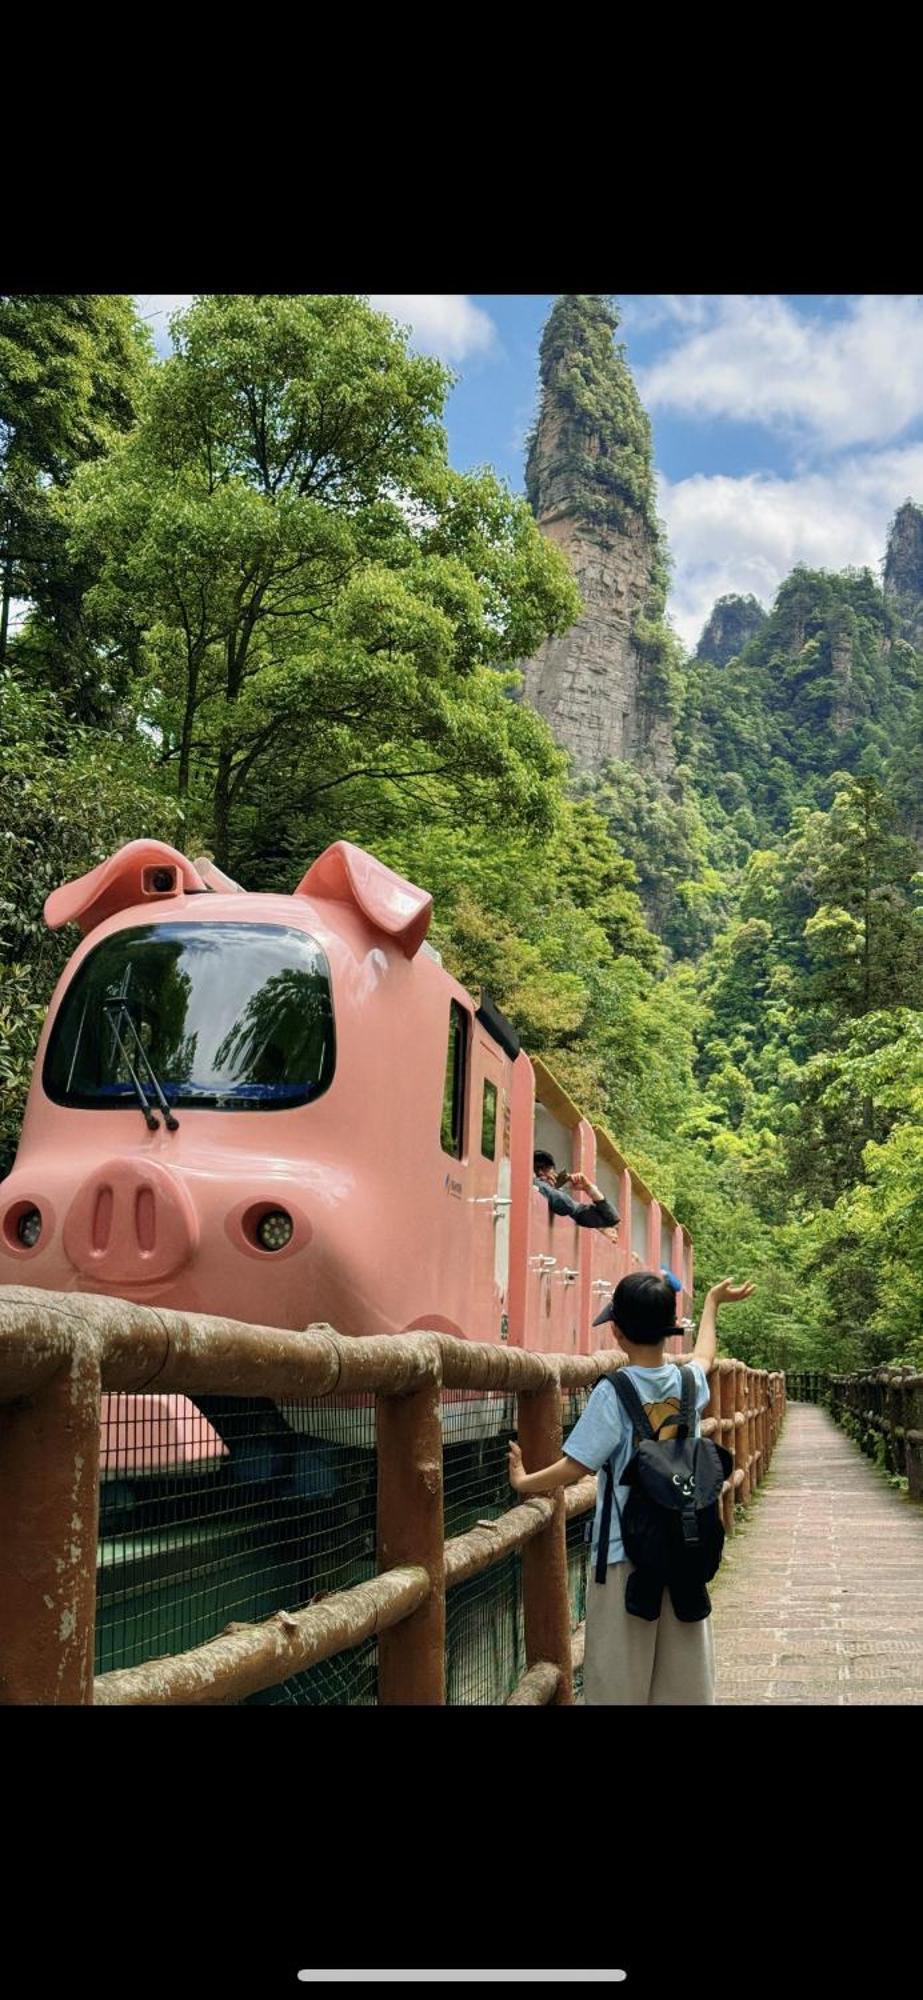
(687, 1402)
(631, 1401)
(605, 1522)
(689, 1518)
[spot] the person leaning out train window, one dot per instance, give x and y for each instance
(597, 1213)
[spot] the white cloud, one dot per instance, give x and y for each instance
(644, 311)
(156, 308)
(855, 379)
(443, 323)
(746, 535)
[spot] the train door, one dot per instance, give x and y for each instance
(666, 1242)
(554, 1247)
(640, 1229)
(490, 1195)
(681, 1258)
(607, 1250)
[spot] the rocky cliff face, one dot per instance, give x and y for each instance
(734, 621)
(903, 580)
(603, 687)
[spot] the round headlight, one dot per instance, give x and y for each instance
(275, 1230)
(29, 1228)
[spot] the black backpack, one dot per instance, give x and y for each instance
(671, 1525)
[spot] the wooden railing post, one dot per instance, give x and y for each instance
(741, 1435)
(913, 1435)
(49, 1519)
(751, 1428)
(545, 1595)
(727, 1375)
(411, 1530)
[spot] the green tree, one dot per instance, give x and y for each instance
(71, 370)
(314, 592)
(70, 796)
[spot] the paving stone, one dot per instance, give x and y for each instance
(819, 1600)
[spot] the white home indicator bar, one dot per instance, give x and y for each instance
(447, 1978)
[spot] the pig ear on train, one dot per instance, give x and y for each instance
(345, 874)
(215, 878)
(145, 871)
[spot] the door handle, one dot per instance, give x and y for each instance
(568, 1276)
(543, 1263)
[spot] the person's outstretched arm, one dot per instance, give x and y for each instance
(598, 1213)
(724, 1293)
(564, 1472)
(559, 1204)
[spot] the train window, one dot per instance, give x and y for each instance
(230, 1017)
(489, 1122)
(453, 1096)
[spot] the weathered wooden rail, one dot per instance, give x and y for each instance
(881, 1408)
(60, 1352)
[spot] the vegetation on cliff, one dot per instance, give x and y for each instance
(265, 613)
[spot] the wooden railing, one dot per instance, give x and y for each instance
(60, 1352)
(806, 1385)
(882, 1409)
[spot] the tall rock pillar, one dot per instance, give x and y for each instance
(604, 686)
(903, 580)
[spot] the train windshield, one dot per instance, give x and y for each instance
(232, 1017)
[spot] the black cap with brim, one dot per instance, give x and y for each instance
(607, 1316)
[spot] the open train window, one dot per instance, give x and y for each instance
(489, 1121)
(453, 1096)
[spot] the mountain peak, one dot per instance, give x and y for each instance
(903, 578)
(732, 623)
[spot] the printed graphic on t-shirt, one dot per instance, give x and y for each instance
(656, 1413)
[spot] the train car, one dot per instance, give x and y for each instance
(283, 1108)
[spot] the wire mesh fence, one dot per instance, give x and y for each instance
(227, 1510)
(579, 1529)
(278, 1512)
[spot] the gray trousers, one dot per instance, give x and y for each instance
(631, 1663)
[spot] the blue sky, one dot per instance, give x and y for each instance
(786, 428)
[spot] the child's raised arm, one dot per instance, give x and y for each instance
(724, 1293)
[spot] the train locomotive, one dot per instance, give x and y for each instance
(283, 1109)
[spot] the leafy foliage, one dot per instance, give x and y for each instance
(267, 614)
(72, 368)
(70, 795)
(311, 590)
(602, 453)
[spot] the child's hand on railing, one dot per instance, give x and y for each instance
(516, 1468)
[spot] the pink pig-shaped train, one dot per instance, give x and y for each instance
(285, 1110)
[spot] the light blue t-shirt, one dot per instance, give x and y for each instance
(605, 1432)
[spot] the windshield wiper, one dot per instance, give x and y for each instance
(119, 1008)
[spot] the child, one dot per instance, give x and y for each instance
(630, 1661)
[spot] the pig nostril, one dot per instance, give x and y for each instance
(102, 1218)
(144, 1218)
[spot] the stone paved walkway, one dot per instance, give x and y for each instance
(819, 1598)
